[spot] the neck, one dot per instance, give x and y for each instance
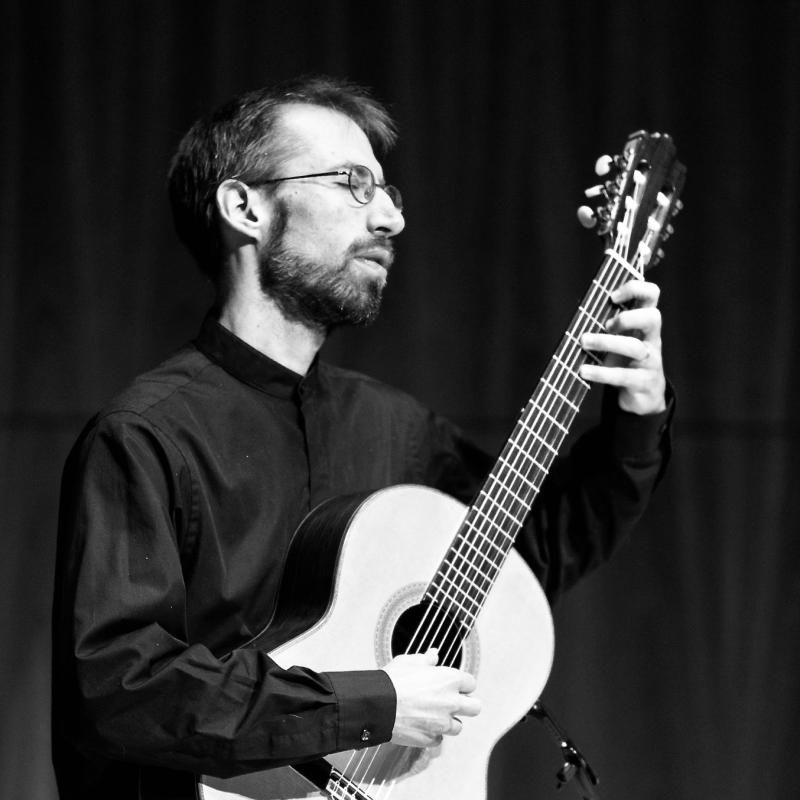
(257, 320)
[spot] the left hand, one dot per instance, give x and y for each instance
(633, 350)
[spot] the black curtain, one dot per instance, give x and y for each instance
(676, 664)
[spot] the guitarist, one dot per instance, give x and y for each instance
(180, 497)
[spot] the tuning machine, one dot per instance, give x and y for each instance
(589, 217)
(605, 166)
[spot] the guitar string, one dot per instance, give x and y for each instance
(564, 374)
(525, 453)
(553, 419)
(574, 409)
(515, 467)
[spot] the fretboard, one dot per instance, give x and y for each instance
(473, 561)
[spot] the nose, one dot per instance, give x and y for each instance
(384, 216)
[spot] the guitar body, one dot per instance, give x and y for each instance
(354, 569)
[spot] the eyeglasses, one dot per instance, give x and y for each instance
(360, 180)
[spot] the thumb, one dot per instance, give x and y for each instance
(430, 657)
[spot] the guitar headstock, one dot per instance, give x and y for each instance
(640, 196)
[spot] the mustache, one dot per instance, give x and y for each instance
(372, 246)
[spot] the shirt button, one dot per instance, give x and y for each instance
(365, 734)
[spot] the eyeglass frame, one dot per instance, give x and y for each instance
(394, 193)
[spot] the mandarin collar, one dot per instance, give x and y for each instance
(249, 365)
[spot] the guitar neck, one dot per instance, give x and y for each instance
(470, 567)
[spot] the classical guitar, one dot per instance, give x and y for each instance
(408, 568)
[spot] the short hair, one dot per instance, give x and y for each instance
(240, 139)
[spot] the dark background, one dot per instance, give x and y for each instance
(676, 664)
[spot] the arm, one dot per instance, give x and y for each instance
(596, 493)
(594, 498)
(133, 680)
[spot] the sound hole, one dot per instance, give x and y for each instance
(427, 625)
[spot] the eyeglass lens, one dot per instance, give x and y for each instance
(362, 185)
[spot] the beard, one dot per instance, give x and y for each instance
(320, 294)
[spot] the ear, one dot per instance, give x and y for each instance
(242, 209)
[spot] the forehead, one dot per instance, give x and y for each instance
(321, 138)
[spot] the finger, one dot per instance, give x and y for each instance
(635, 380)
(638, 293)
(647, 320)
(430, 657)
(455, 728)
(466, 683)
(469, 707)
(626, 346)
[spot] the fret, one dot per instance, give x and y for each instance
(588, 355)
(541, 410)
(573, 390)
(497, 505)
(509, 465)
(557, 415)
(571, 371)
(574, 339)
(462, 576)
(551, 408)
(449, 596)
(452, 597)
(448, 600)
(484, 539)
(459, 561)
(565, 399)
(590, 316)
(507, 536)
(490, 506)
(523, 501)
(614, 256)
(465, 579)
(604, 289)
(530, 437)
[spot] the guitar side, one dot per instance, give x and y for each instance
(372, 569)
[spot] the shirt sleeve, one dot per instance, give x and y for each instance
(129, 683)
(591, 500)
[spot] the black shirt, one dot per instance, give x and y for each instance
(178, 504)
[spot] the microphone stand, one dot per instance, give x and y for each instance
(575, 765)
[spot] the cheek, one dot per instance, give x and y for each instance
(318, 231)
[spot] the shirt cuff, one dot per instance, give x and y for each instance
(367, 706)
(635, 435)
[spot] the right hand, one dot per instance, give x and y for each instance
(430, 700)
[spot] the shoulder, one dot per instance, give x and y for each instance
(350, 385)
(154, 391)
(157, 402)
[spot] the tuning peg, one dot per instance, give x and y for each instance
(587, 217)
(677, 207)
(596, 191)
(603, 165)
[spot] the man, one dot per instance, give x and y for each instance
(180, 498)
